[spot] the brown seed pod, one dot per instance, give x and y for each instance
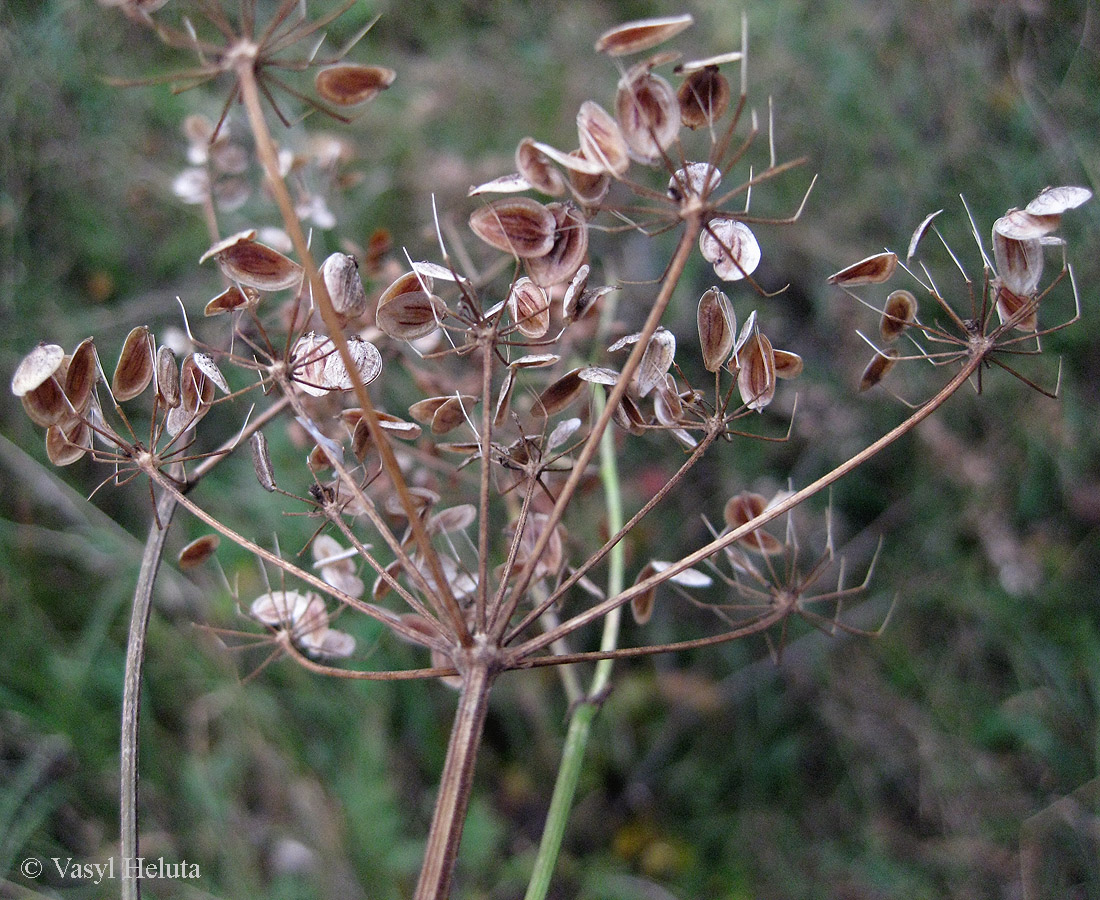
(198, 551)
(451, 414)
(602, 139)
(345, 288)
(588, 189)
(534, 166)
(210, 369)
(787, 365)
(703, 97)
(67, 443)
(743, 508)
(560, 393)
(81, 375)
(1021, 225)
(365, 357)
(919, 233)
(1019, 263)
(167, 378)
(731, 247)
(881, 363)
(196, 395)
(136, 365)
(897, 315)
(640, 35)
(36, 367)
(655, 362)
(518, 225)
(568, 251)
(1056, 200)
(407, 310)
(648, 114)
(529, 308)
(756, 377)
(504, 397)
(230, 299)
(696, 179)
(641, 605)
(1011, 305)
(717, 328)
(349, 85)
(872, 270)
(249, 263)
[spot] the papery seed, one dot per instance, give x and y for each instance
(407, 310)
(756, 377)
(649, 116)
(731, 247)
(602, 139)
(454, 518)
(535, 168)
(47, 404)
(344, 286)
(210, 369)
(529, 308)
(252, 264)
(568, 251)
(655, 362)
(696, 179)
(589, 189)
(881, 363)
(717, 328)
(167, 377)
(598, 375)
(518, 225)
(1019, 263)
(135, 365)
(1057, 200)
(198, 551)
(505, 184)
(641, 34)
(743, 508)
(261, 461)
(897, 314)
(919, 233)
(561, 393)
(366, 359)
(37, 366)
(350, 85)
(642, 604)
(1010, 304)
(504, 397)
(81, 375)
(562, 432)
(703, 97)
(872, 270)
(230, 299)
(787, 365)
(65, 444)
(1020, 225)
(308, 359)
(451, 414)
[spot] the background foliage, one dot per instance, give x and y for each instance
(955, 756)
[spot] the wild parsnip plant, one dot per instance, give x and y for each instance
(461, 522)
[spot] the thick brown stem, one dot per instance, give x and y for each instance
(449, 816)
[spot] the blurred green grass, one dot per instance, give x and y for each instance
(915, 765)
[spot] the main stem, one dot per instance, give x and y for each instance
(449, 816)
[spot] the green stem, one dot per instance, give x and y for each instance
(584, 713)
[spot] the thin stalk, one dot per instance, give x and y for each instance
(602, 608)
(449, 816)
(131, 690)
(265, 149)
(584, 713)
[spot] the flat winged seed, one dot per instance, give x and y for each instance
(872, 270)
(787, 365)
(430, 270)
(919, 233)
(743, 508)
(649, 116)
(344, 286)
(135, 365)
(167, 377)
(261, 461)
(535, 361)
(598, 375)
(731, 247)
(210, 369)
(696, 179)
(898, 314)
(451, 414)
(80, 376)
(308, 359)
(407, 310)
(601, 138)
(252, 264)
(568, 251)
(703, 97)
(691, 66)
(560, 393)
(198, 551)
(685, 577)
(588, 189)
(366, 359)
(717, 328)
(350, 85)
(656, 361)
(505, 184)
(518, 225)
(47, 404)
(36, 367)
(327, 643)
(881, 363)
(454, 518)
(1019, 263)
(641, 34)
(529, 308)
(756, 377)
(504, 397)
(573, 293)
(562, 432)
(1021, 225)
(1056, 200)
(228, 300)
(667, 406)
(67, 443)
(641, 604)
(423, 410)
(535, 167)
